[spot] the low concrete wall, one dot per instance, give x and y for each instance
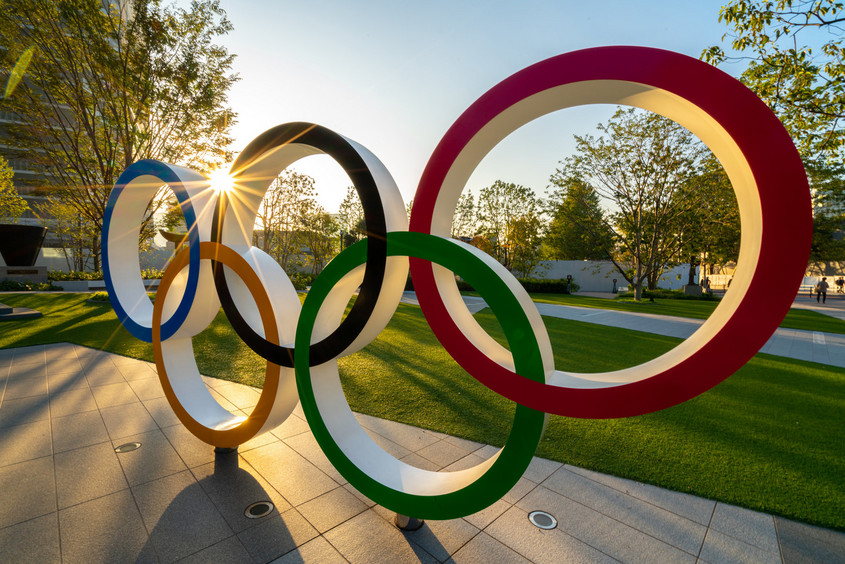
(598, 275)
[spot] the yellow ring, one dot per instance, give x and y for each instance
(248, 428)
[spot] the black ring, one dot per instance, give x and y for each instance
(339, 148)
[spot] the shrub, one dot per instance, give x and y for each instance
(301, 280)
(25, 286)
(533, 286)
(146, 274)
(667, 295)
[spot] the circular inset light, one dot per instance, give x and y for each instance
(127, 447)
(542, 520)
(258, 510)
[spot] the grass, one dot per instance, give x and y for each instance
(698, 309)
(768, 438)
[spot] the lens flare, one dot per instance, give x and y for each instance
(221, 181)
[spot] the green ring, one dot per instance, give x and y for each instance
(528, 424)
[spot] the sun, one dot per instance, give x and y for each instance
(221, 181)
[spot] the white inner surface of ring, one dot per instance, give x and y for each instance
(351, 437)
(603, 92)
(251, 183)
(124, 261)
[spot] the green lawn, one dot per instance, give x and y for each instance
(698, 309)
(769, 438)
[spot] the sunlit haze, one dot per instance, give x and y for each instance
(394, 76)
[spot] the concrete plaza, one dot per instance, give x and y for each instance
(67, 496)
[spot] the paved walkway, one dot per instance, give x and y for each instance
(813, 346)
(67, 496)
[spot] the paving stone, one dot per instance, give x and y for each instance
(148, 388)
(364, 499)
(242, 397)
(415, 459)
(393, 449)
(750, 527)
(442, 453)
(125, 420)
(161, 412)
(24, 386)
(806, 544)
(87, 473)
(688, 506)
(23, 410)
(36, 540)
(292, 426)
(263, 439)
(27, 490)
(469, 446)
(28, 355)
(193, 451)
(60, 382)
(230, 551)
(78, 430)
(293, 476)
(110, 395)
(277, 535)
(720, 548)
(406, 436)
(315, 550)
(469, 461)
(19, 443)
(515, 530)
(540, 468)
(331, 509)
(107, 529)
(306, 445)
(603, 533)
(483, 549)
(102, 374)
(522, 488)
(233, 485)
(486, 516)
(26, 370)
(153, 460)
(650, 519)
(181, 518)
(136, 371)
(392, 546)
(71, 401)
(441, 539)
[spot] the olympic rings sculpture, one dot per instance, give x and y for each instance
(301, 344)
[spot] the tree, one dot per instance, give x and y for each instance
(111, 83)
(524, 234)
(498, 206)
(711, 229)
(638, 165)
(351, 218)
(796, 65)
(319, 234)
(464, 220)
(578, 229)
(12, 206)
(280, 217)
(73, 231)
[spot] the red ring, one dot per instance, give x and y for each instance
(784, 248)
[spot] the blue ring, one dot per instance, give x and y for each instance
(168, 176)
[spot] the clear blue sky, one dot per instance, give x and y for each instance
(394, 75)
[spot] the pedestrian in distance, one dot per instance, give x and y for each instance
(821, 290)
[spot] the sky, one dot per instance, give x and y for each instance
(395, 75)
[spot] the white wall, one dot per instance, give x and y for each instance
(598, 275)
